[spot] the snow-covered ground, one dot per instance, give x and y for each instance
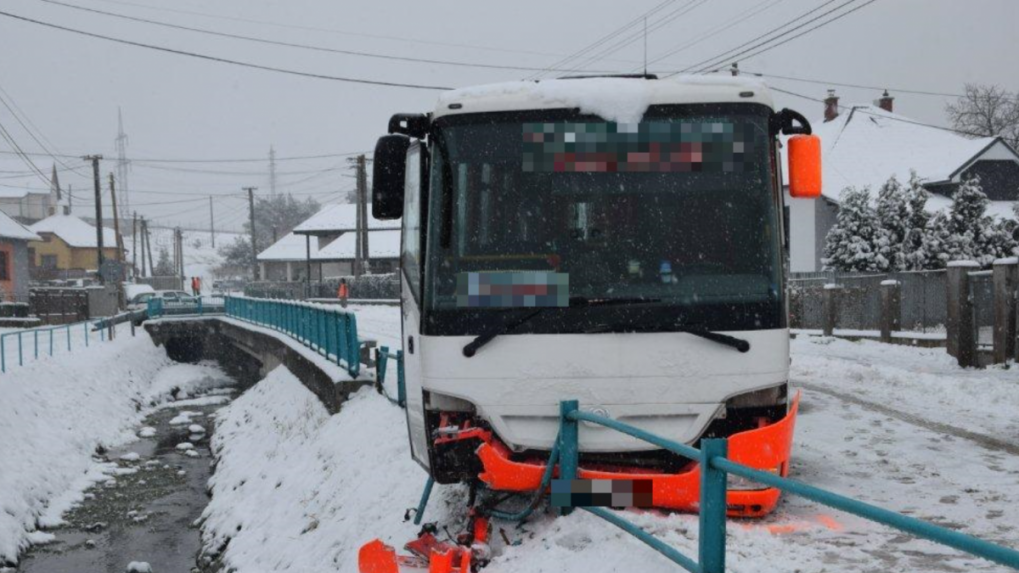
(299, 490)
(200, 258)
(54, 414)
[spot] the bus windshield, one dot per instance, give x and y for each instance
(537, 209)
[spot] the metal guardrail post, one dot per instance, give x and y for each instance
(401, 388)
(381, 360)
(711, 553)
(420, 513)
(569, 444)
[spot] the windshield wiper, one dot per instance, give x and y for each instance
(505, 328)
(737, 343)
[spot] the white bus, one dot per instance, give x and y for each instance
(613, 240)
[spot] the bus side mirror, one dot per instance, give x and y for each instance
(388, 172)
(805, 166)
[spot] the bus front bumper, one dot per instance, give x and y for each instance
(766, 448)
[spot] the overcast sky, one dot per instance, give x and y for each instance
(176, 107)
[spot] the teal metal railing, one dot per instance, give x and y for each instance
(382, 359)
(158, 307)
(330, 331)
(35, 343)
(714, 467)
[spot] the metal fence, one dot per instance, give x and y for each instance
(715, 468)
(157, 307)
(923, 306)
(328, 330)
(367, 287)
(981, 291)
(33, 344)
(382, 358)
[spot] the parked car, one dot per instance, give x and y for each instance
(141, 301)
(137, 295)
(176, 296)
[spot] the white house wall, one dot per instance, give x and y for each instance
(803, 254)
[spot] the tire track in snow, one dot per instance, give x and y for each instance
(982, 440)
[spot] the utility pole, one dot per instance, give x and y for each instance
(70, 198)
(272, 171)
(179, 236)
(116, 220)
(254, 246)
(212, 223)
(122, 166)
(362, 213)
(134, 245)
(99, 213)
(148, 247)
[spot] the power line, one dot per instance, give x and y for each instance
(726, 53)
(637, 35)
(805, 32)
(845, 85)
(601, 40)
(768, 48)
(141, 163)
(11, 106)
(223, 60)
(177, 160)
(25, 158)
(312, 47)
(340, 32)
(694, 41)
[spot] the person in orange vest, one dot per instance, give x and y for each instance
(343, 292)
(196, 285)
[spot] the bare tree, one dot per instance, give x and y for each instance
(986, 111)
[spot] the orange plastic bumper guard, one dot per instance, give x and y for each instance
(765, 448)
(377, 557)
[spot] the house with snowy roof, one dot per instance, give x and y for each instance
(14, 263)
(864, 145)
(327, 244)
(67, 247)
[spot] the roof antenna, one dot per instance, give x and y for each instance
(645, 46)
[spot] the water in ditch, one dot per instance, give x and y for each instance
(144, 518)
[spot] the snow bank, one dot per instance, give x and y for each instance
(54, 414)
(296, 490)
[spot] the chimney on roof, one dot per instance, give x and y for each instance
(831, 106)
(885, 102)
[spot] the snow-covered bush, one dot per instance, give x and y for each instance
(851, 242)
(899, 234)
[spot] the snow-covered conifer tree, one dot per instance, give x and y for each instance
(914, 247)
(893, 218)
(850, 243)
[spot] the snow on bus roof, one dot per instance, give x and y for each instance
(621, 100)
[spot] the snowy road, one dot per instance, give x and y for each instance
(900, 427)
